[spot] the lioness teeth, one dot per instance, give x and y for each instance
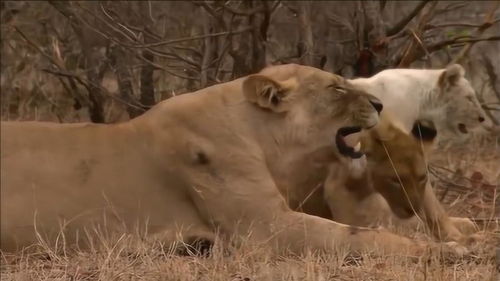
(343, 147)
(357, 147)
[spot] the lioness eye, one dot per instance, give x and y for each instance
(422, 179)
(395, 182)
(338, 89)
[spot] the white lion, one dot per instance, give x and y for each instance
(442, 96)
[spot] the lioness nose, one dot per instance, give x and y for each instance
(377, 105)
(481, 119)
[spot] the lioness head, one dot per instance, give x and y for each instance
(397, 164)
(323, 105)
(462, 109)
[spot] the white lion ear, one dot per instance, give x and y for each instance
(451, 75)
(267, 93)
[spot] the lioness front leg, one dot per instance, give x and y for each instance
(251, 204)
(439, 223)
(464, 225)
(299, 231)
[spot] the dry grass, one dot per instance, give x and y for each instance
(129, 259)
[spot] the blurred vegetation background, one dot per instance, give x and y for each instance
(108, 61)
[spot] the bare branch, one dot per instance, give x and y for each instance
(87, 83)
(411, 53)
(36, 47)
(141, 57)
(457, 24)
(452, 7)
(209, 9)
(172, 55)
(186, 39)
(460, 39)
(163, 43)
(306, 44)
(493, 77)
(487, 23)
(401, 24)
(207, 53)
(184, 48)
(79, 99)
(249, 12)
(116, 23)
(487, 109)
(415, 36)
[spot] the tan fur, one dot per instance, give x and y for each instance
(215, 159)
(394, 171)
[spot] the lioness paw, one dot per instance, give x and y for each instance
(449, 250)
(464, 225)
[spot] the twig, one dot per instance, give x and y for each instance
(247, 13)
(173, 56)
(81, 100)
(488, 21)
(411, 53)
(490, 70)
(141, 57)
(209, 9)
(486, 107)
(444, 43)
(167, 42)
(420, 43)
(404, 21)
(116, 22)
(85, 82)
(207, 53)
(186, 39)
(31, 43)
(451, 7)
(456, 24)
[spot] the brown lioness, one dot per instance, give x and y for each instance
(445, 98)
(391, 179)
(200, 162)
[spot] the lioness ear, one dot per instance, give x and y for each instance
(384, 131)
(424, 130)
(266, 92)
(373, 138)
(451, 75)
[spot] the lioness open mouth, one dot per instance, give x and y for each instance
(342, 146)
(462, 128)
